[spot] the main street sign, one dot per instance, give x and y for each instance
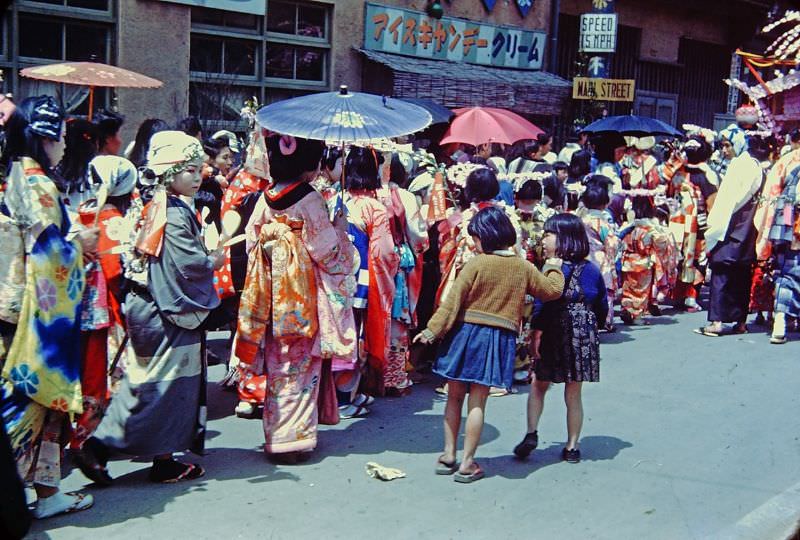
(598, 33)
(603, 89)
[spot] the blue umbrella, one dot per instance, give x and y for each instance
(440, 113)
(631, 125)
(343, 116)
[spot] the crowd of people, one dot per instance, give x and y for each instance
(342, 272)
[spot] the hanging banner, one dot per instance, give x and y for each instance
(489, 4)
(603, 89)
(413, 33)
(598, 33)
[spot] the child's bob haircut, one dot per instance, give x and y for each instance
(596, 196)
(572, 243)
(493, 228)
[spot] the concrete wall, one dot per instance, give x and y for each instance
(348, 27)
(153, 39)
(663, 24)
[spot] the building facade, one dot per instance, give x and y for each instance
(214, 54)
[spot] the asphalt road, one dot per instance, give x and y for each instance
(685, 437)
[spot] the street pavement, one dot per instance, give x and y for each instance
(685, 437)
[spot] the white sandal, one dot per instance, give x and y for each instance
(62, 503)
(245, 409)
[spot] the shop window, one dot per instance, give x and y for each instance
(223, 56)
(219, 101)
(57, 40)
(99, 5)
(296, 19)
(226, 19)
(292, 62)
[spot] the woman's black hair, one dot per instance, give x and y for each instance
(643, 207)
(495, 231)
(397, 171)
(605, 145)
(330, 156)
(580, 164)
(697, 154)
(759, 147)
(596, 196)
(481, 185)
(362, 168)
(212, 147)
(572, 243)
(190, 125)
(286, 166)
(81, 147)
(108, 124)
(543, 139)
(530, 191)
(794, 135)
(141, 143)
(22, 142)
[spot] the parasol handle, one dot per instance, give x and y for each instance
(91, 102)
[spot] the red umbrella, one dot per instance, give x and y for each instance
(90, 74)
(480, 125)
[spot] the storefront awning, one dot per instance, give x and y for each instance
(456, 84)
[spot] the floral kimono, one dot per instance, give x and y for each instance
(367, 214)
(101, 339)
(303, 326)
(604, 252)
(646, 260)
(410, 239)
(40, 383)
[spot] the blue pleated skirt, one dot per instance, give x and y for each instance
(476, 353)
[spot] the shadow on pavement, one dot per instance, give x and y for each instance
(593, 448)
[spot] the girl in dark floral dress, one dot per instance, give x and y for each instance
(565, 346)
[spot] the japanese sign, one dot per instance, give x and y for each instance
(413, 33)
(603, 89)
(598, 32)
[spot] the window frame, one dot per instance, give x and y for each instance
(261, 81)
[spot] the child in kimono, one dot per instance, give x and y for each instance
(158, 408)
(603, 241)
(295, 308)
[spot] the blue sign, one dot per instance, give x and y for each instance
(524, 6)
(597, 67)
(489, 4)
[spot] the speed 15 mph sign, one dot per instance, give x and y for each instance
(598, 32)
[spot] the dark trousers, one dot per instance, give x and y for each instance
(730, 292)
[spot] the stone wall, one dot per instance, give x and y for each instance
(153, 39)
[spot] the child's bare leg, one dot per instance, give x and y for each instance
(536, 404)
(476, 404)
(572, 397)
(452, 419)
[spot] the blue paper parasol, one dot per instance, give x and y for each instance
(631, 125)
(343, 117)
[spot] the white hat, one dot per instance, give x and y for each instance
(169, 150)
(233, 140)
(117, 173)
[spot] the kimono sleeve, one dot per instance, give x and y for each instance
(329, 248)
(180, 280)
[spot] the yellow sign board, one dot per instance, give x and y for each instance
(603, 89)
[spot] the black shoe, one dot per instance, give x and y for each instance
(626, 317)
(571, 456)
(528, 445)
(654, 310)
(91, 468)
(97, 450)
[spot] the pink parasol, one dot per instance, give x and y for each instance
(91, 74)
(480, 125)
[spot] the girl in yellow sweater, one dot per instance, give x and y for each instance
(478, 324)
